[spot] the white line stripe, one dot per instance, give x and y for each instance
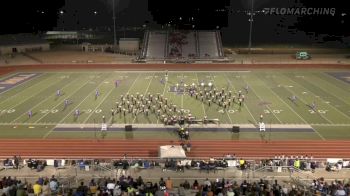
(149, 84)
(42, 100)
(21, 83)
(77, 89)
(225, 110)
(266, 105)
(205, 114)
(322, 116)
(246, 105)
(49, 132)
(296, 112)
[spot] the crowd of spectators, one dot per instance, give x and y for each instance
(126, 185)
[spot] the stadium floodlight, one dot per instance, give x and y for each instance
(114, 31)
(210, 84)
(202, 84)
(251, 13)
(193, 84)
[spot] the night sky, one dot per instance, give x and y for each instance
(23, 16)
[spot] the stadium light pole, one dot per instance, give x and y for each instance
(251, 13)
(114, 30)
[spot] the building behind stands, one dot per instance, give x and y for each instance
(21, 43)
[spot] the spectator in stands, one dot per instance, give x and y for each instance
(93, 187)
(37, 188)
(111, 186)
(53, 185)
(195, 185)
(162, 184)
(82, 190)
(169, 184)
(20, 191)
(46, 188)
(186, 185)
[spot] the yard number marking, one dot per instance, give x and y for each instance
(273, 111)
(319, 111)
(97, 111)
(8, 111)
(49, 111)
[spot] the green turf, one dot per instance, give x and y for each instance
(268, 94)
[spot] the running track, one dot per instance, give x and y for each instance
(115, 149)
(106, 149)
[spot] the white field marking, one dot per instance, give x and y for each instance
(80, 102)
(331, 84)
(40, 74)
(266, 105)
(288, 106)
(228, 79)
(25, 89)
(49, 132)
(297, 114)
(325, 118)
(182, 95)
(165, 87)
(205, 113)
(77, 89)
(329, 105)
(229, 117)
(182, 71)
(110, 119)
(110, 91)
(19, 124)
(332, 105)
(246, 105)
(41, 102)
(149, 84)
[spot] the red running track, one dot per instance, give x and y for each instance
(115, 149)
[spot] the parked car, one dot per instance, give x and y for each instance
(302, 56)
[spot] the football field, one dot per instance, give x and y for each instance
(30, 106)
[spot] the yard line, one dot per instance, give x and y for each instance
(19, 84)
(182, 95)
(205, 114)
(149, 84)
(110, 119)
(110, 91)
(266, 105)
(41, 102)
(49, 132)
(77, 89)
(297, 114)
(228, 79)
(226, 110)
(331, 84)
(102, 82)
(24, 100)
(288, 105)
(320, 86)
(23, 91)
(165, 87)
(305, 102)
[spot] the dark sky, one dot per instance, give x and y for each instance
(42, 15)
